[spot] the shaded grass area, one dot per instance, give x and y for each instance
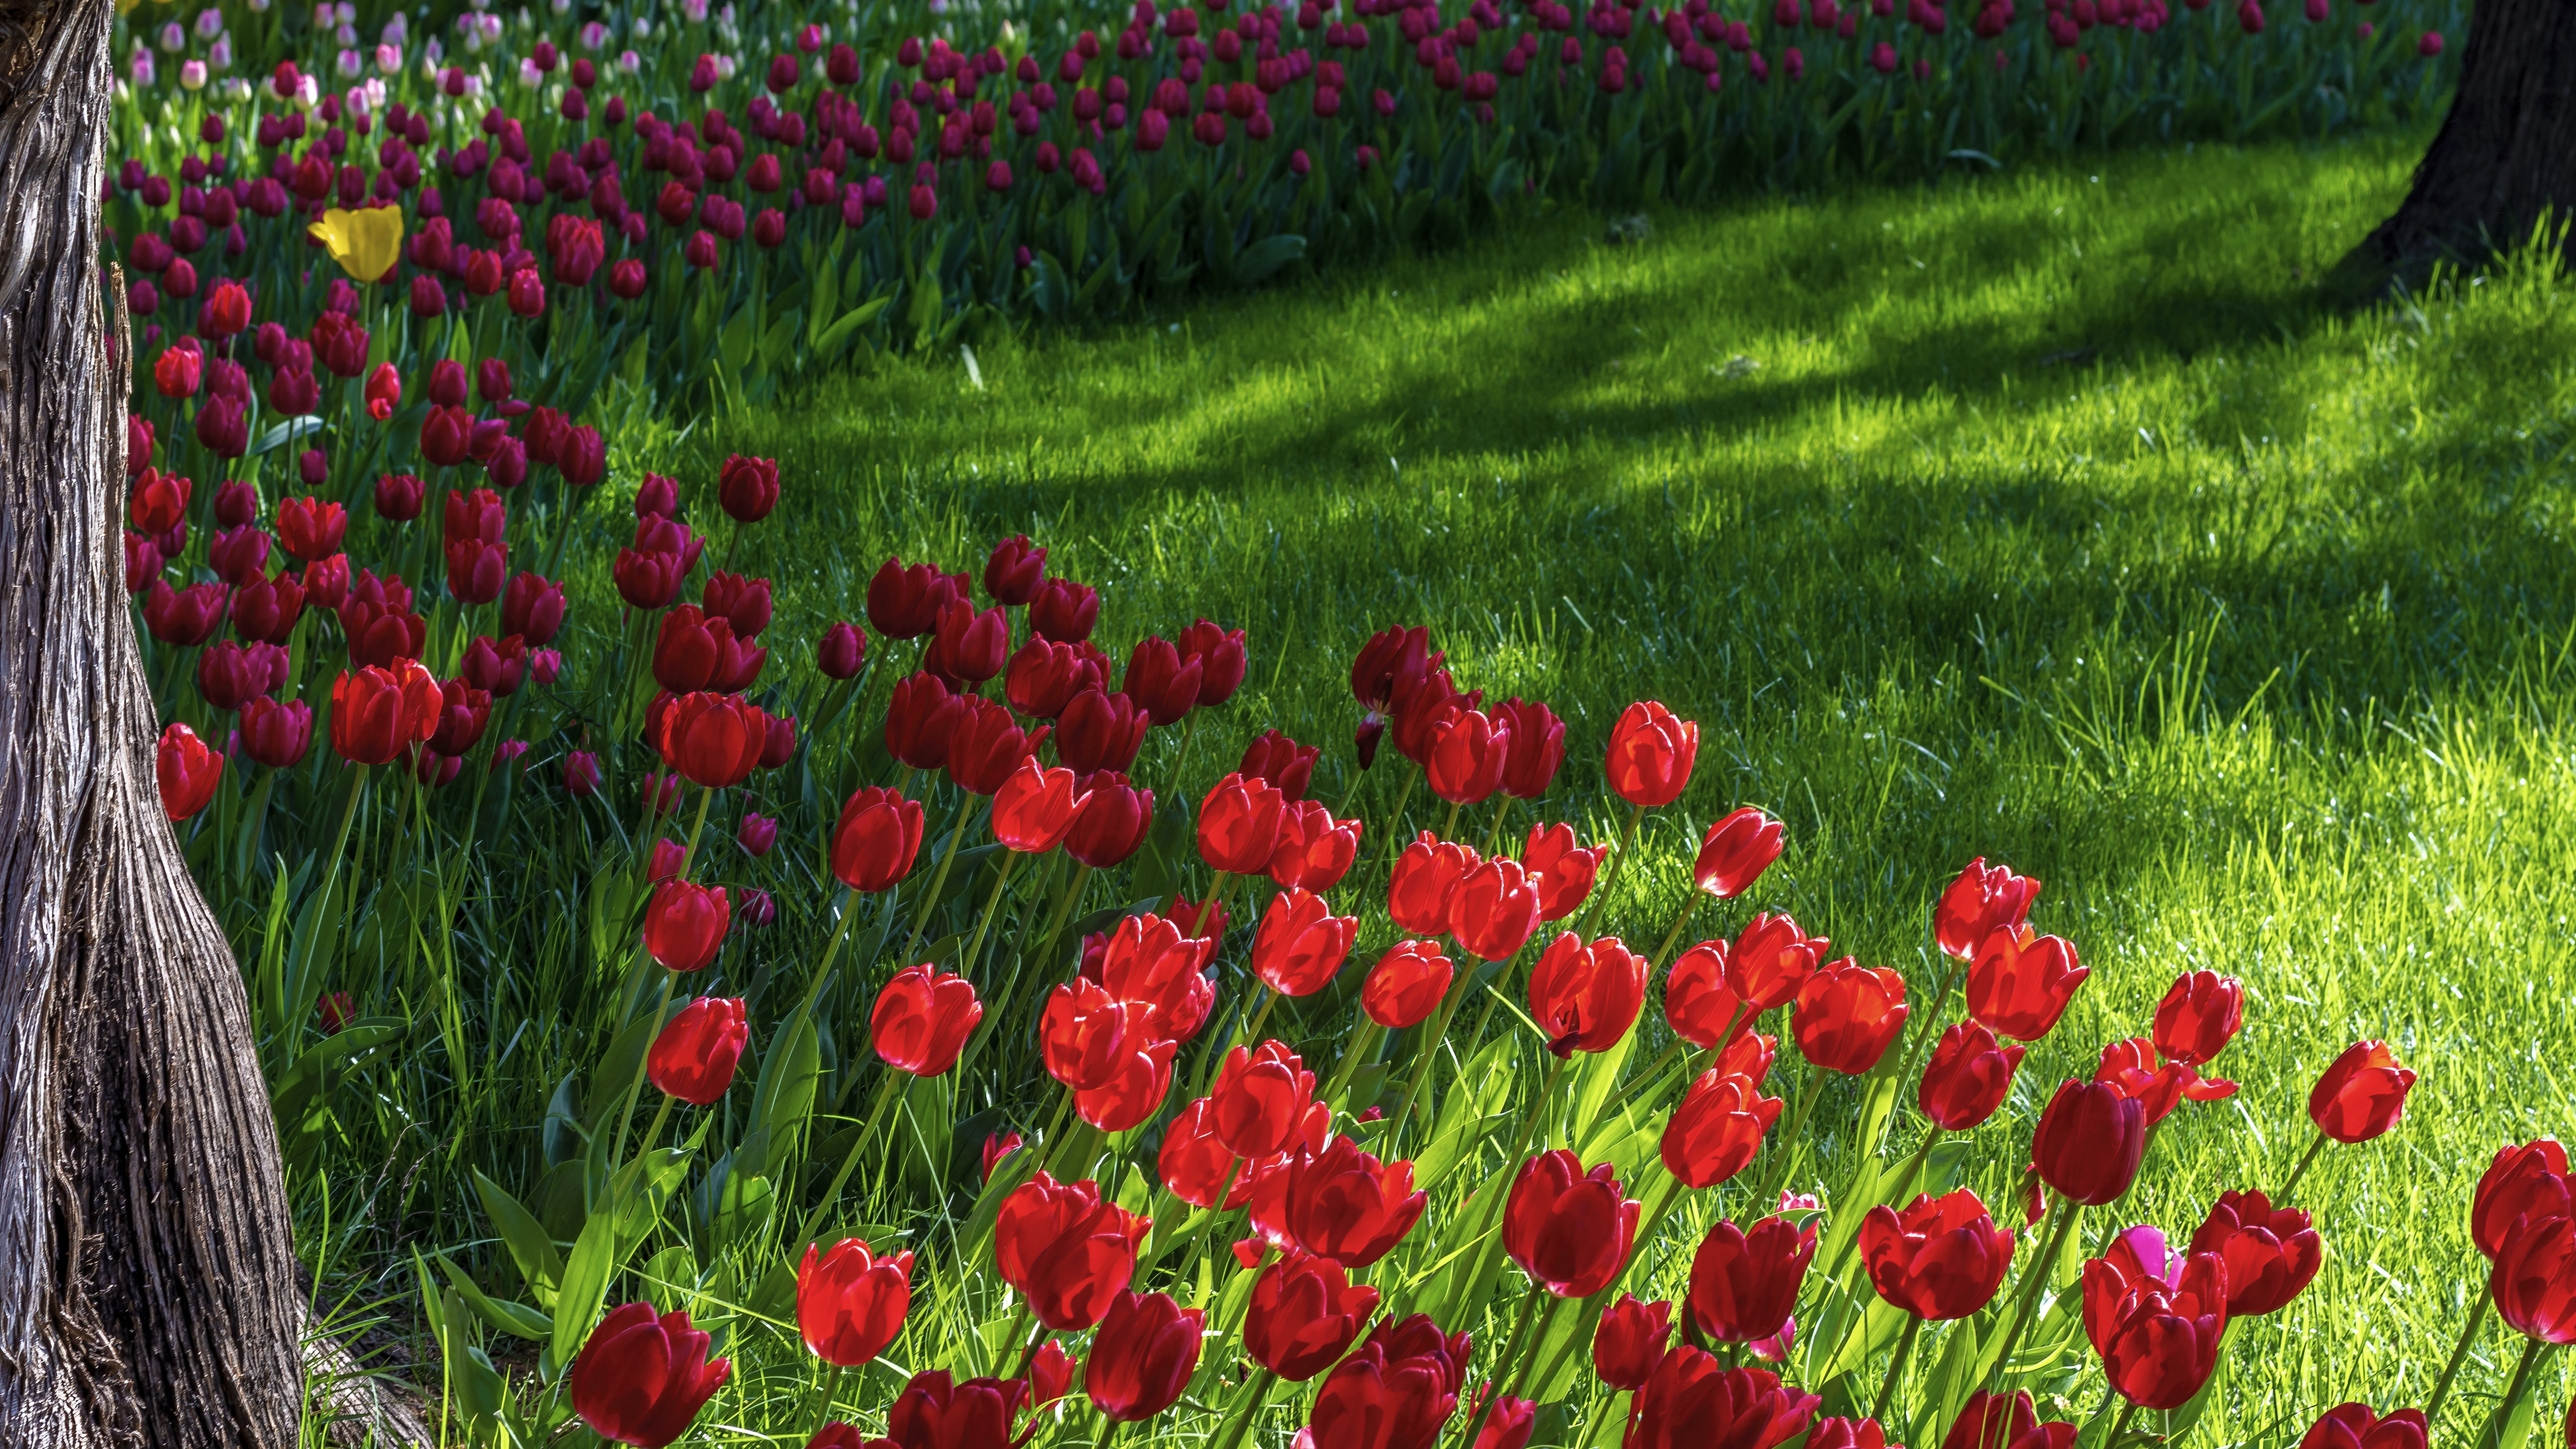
(2045, 516)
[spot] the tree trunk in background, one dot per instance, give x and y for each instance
(2505, 154)
(147, 1281)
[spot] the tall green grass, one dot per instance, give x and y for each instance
(2048, 516)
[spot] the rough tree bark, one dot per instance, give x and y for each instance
(147, 1281)
(2506, 152)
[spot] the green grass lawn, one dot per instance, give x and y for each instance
(2046, 516)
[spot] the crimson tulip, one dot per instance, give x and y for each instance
(2159, 1343)
(185, 617)
(1940, 1258)
(496, 666)
(1259, 1098)
(1013, 571)
(1314, 850)
(1697, 1003)
(1406, 985)
(1735, 852)
(1147, 962)
(1630, 1341)
(875, 839)
(2159, 1089)
(1147, 1349)
(2272, 1254)
(905, 603)
(1425, 881)
(1218, 652)
(694, 1056)
(936, 1412)
(1067, 1252)
(685, 924)
(920, 721)
(1198, 1168)
(841, 651)
(988, 745)
(1693, 1402)
(1564, 871)
(1771, 960)
(1848, 1016)
(1202, 919)
(645, 578)
(238, 555)
(2533, 1282)
(1043, 678)
(1718, 1127)
(1377, 1400)
(1136, 1093)
(1099, 731)
(1651, 754)
(1346, 1205)
(744, 603)
(1063, 611)
(1995, 1421)
(1112, 822)
(1743, 1284)
(2362, 1094)
(1983, 900)
(1425, 709)
(186, 770)
(1304, 1315)
(311, 528)
(1467, 756)
(1493, 910)
(967, 644)
(1239, 825)
(2199, 1016)
(1537, 747)
(747, 488)
(850, 1303)
(1163, 684)
(1082, 1036)
(2356, 1426)
(1282, 761)
(1035, 807)
(2089, 1141)
(1968, 1077)
(694, 652)
(641, 1379)
(2020, 984)
(1585, 997)
(714, 740)
(998, 1145)
(1301, 943)
(922, 1019)
(230, 676)
(265, 609)
(276, 735)
(376, 712)
(2527, 1180)
(1567, 1228)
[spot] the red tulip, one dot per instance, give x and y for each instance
(694, 652)
(744, 603)
(462, 716)
(1112, 822)
(1718, 1127)
(1146, 1351)
(2089, 1142)
(1147, 962)
(1426, 879)
(1100, 731)
(998, 1145)
(875, 839)
(641, 1379)
(2132, 1065)
(1697, 1004)
(967, 644)
(1301, 944)
(1063, 611)
(187, 771)
(1013, 571)
(184, 617)
(2199, 1016)
(1939, 1259)
(1983, 900)
(1424, 709)
(1044, 677)
(1035, 807)
(1694, 1403)
(2530, 1179)
(1992, 1421)
(1282, 761)
(1968, 1077)
(715, 740)
(1375, 1400)
(694, 1056)
(1771, 961)
(1136, 1093)
(1586, 997)
(310, 528)
(1314, 849)
(1568, 1229)
(922, 1020)
(495, 666)
(988, 745)
(850, 1304)
(1407, 984)
(2271, 1254)
(842, 650)
(1082, 1037)
(1467, 758)
(685, 924)
(2362, 1094)
(1067, 1252)
(1493, 910)
(2020, 984)
(905, 603)
(1239, 825)
(1848, 1016)
(1344, 1204)
(1537, 748)
(2534, 1278)
(920, 721)
(645, 578)
(1743, 1284)
(1304, 1316)
(1735, 852)
(2159, 1338)
(1259, 1099)
(1630, 1341)
(1163, 684)
(376, 712)
(1847, 1434)
(2354, 1426)
(1198, 1168)
(934, 1412)
(1563, 870)
(276, 735)
(1651, 754)
(747, 488)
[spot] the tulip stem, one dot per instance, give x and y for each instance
(1395, 819)
(1449, 826)
(992, 905)
(1896, 1361)
(1253, 1395)
(1914, 1163)
(697, 827)
(1601, 892)
(1494, 837)
(2035, 1278)
(1664, 952)
(2301, 1170)
(938, 878)
(1362, 1047)
(2120, 1425)
(1019, 1325)
(339, 849)
(2513, 1392)
(1503, 1365)
(635, 1088)
(831, 1386)
(1428, 1048)
(1064, 912)
(1498, 1191)
(888, 1090)
(2451, 1370)
(1189, 730)
(1779, 1168)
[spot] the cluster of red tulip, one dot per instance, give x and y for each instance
(1261, 1141)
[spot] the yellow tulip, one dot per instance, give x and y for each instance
(365, 243)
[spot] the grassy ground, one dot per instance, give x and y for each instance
(2043, 516)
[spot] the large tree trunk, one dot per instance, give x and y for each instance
(147, 1282)
(2505, 154)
